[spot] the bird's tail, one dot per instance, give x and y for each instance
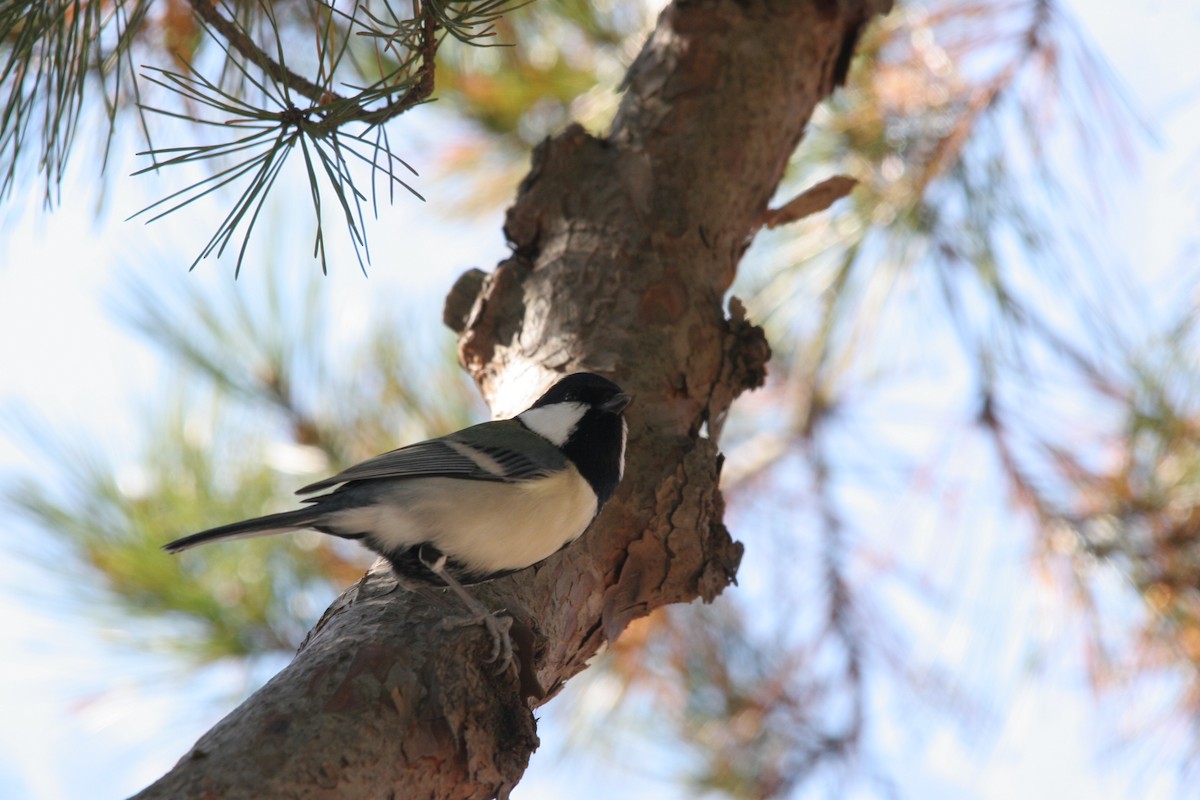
(247, 529)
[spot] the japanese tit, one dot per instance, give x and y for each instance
(475, 504)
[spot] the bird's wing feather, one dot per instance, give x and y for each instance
(492, 451)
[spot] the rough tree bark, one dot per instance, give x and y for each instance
(623, 249)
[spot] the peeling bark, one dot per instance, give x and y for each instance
(623, 250)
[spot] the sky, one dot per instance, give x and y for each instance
(85, 718)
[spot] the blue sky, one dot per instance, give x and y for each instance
(84, 718)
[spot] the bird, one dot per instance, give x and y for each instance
(476, 504)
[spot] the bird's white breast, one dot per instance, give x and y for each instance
(488, 527)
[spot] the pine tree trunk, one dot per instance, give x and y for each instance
(623, 250)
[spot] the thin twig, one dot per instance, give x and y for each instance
(347, 110)
(237, 38)
(420, 91)
(811, 201)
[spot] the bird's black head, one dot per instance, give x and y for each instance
(587, 388)
(581, 414)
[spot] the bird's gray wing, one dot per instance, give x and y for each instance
(492, 451)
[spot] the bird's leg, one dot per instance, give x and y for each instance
(497, 626)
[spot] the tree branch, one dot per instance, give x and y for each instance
(375, 704)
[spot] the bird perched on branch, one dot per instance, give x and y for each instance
(475, 504)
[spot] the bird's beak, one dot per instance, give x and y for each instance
(616, 404)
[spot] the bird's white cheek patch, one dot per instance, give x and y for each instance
(554, 422)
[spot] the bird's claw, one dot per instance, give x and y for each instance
(498, 625)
